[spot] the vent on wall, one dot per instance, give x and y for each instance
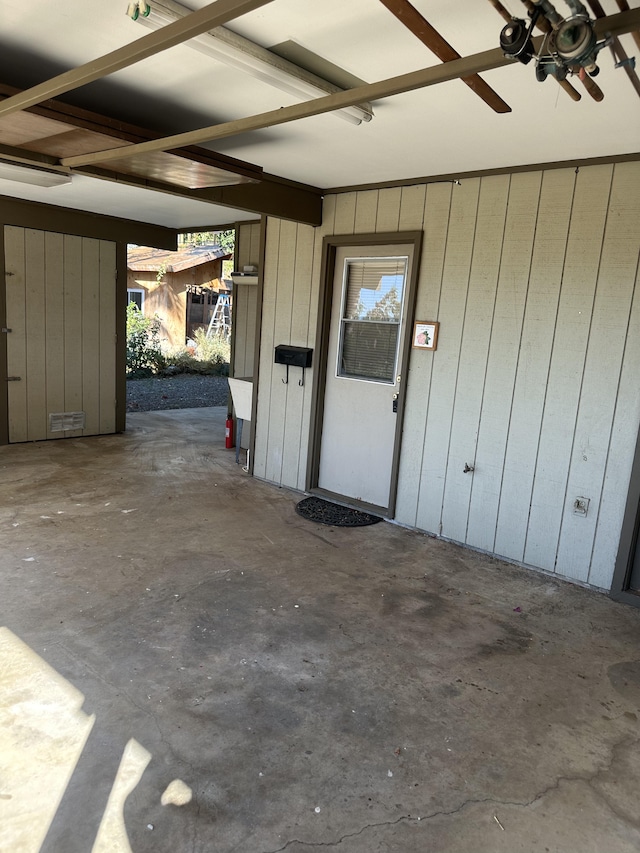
(63, 421)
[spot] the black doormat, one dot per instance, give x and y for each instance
(325, 512)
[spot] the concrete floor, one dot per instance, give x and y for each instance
(301, 686)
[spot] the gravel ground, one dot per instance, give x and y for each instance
(184, 391)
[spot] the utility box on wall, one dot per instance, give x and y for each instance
(293, 356)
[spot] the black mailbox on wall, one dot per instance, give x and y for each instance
(293, 356)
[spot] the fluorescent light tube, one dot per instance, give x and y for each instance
(228, 48)
(24, 174)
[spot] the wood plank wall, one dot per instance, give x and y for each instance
(245, 297)
(534, 279)
(61, 308)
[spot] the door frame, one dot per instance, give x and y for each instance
(4, 385)
(331, 244)
(629, 539)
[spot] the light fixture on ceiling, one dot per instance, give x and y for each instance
(242, 54)
(137, 8)
(35, 175)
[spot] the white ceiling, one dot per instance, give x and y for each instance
(142, 205)
(440, 130)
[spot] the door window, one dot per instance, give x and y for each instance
(372, 296)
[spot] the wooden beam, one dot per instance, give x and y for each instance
(616, 48)
(271, 197)
(542, 21)
(31, 214)
(210, 16)
(431, 38)
(624, 7)
(623, 22)
(251, 58)
(384, 89)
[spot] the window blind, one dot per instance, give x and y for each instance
(372, 311)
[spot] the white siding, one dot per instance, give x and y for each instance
(245, 300)
(284, 410)
(533, 277)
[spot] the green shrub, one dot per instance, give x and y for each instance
(210, 357)
(215, 349)
(144, 356)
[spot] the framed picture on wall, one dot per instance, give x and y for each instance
(425, 335)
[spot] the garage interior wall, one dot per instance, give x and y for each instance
(61, 309)
(245, 299)
(533, 277)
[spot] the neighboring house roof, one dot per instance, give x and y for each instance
(141, 258)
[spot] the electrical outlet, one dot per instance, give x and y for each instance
(581, 506)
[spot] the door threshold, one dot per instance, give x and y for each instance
(352, 503)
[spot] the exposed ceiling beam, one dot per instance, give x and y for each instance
(213, 15)
(507, 17)
(587, 81)
(624, 7)
(619, 24)
(271, 197)
(620, 57)
(431, 38)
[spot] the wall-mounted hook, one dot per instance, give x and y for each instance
(292, 356)
(467, 468)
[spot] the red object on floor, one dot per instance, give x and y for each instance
(228, 431)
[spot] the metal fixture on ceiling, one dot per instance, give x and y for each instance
(137, 8)
(33, 175)
(543, 25)
(570, 46)
(244, 55)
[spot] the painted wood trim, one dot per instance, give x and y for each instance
(15, 258)
(628, 537)
(258, 341)
(107, 337)
(458, 177)
(63, 220)
(54, 331)
(91, 335)
(4, 385)
(121, 337)
(330, 244)
(264, 355)
(35, 325)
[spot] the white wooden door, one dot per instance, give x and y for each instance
(61, 350)
(368, 326)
